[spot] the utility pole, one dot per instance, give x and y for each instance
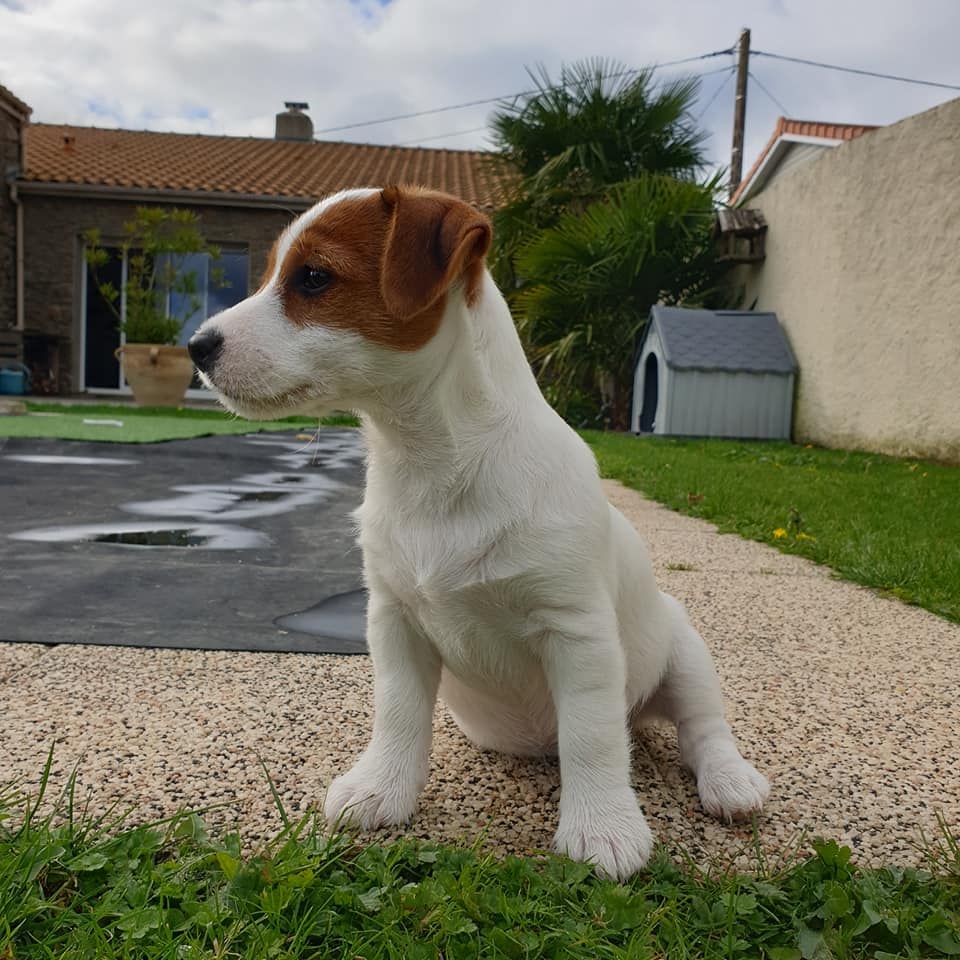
(740, 110)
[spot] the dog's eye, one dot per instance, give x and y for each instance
(314, 279)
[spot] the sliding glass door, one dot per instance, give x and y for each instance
(219, 284)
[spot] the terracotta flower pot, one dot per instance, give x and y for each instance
(158, 375)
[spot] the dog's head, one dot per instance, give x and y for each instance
(355, 292)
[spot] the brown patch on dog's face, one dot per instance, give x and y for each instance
(381, 265)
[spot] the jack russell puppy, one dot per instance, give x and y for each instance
(499, 577)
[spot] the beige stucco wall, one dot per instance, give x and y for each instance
(863, 270)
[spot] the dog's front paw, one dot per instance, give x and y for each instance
(612, 835)
(732, 789)
(368, 797)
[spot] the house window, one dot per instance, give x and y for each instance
(220, 284)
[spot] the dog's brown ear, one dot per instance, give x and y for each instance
(432, 240)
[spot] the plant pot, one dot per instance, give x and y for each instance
(158, 375)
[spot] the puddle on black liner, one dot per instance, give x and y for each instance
(193, 516)
(324, 451)
(249, 497)
(211, 536)
(43, 458)
(155, 538)
(340, 620)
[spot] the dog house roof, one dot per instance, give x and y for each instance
(737, 341)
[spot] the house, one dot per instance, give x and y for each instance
(793, 143)
(713, 373)
(62, 180)
(862, 269)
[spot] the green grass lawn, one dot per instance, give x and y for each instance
(883, 522)
(73, 888)
(142, 424)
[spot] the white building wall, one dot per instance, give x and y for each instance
(863, 272)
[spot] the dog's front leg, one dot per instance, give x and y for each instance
(383, 786)
(600, 818)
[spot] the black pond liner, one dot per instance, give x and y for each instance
(339, 621)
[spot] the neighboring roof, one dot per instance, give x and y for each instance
(736, 341)
(247, 166)
(13, 103)
(790, 131)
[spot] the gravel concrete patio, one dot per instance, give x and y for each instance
(844, 699)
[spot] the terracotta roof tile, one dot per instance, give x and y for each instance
(827, 131)
(800, 128)
(136, 159)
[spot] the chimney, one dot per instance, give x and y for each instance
(294, 124)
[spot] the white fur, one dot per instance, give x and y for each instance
(499, 576)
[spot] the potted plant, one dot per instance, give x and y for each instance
(156, 244)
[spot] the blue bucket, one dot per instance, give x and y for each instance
(15, 380)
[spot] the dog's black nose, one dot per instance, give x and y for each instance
(204, 349)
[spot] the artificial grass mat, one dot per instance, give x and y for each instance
(142, 424)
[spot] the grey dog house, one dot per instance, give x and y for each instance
(714, 373)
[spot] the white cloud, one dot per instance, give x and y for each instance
(227, 68)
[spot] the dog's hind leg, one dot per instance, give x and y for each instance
(689, 695)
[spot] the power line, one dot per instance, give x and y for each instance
(439, 136)
(710, 73)
(509, 96)
(864, 73)
(418, 113)
(658, 66)
(730, 71)
(756, 80)
(702, 56)
(456, 133)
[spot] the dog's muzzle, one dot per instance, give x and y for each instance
(205, 347)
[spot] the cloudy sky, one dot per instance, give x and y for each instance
(228, 66)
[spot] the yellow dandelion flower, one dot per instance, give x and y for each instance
(779, 534)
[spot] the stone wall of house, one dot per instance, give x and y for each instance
(53, 228)
(11, 133)
(863, 271)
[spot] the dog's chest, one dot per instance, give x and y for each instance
(462, 586)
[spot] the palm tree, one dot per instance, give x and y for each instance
(589, 283)
(608, 216)
(598, 125)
